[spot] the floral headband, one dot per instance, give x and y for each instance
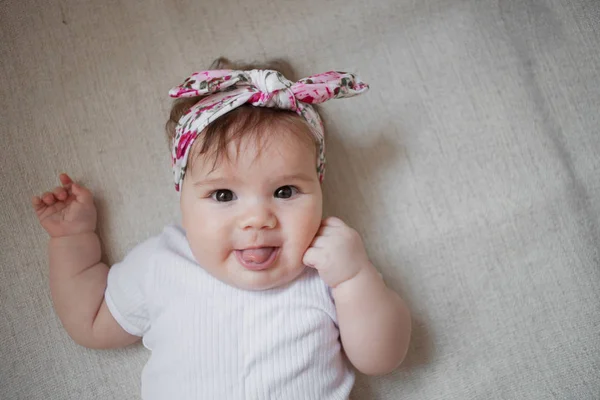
(226, 90)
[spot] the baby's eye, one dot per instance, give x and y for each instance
(285, 192)
(223, 195)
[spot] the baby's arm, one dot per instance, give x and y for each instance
(374, 321)
(77, 276)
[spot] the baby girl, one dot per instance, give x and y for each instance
(254, 295)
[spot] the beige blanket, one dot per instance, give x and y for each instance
(471, 168)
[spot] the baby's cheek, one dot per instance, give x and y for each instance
(307, 229)
(216, 243)
(204, 245)
(314, 222)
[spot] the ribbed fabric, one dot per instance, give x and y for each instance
(210, 340)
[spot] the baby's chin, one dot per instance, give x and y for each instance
(263, 280)
(271, 278)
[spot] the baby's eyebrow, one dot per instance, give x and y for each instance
(215, 181)
(225, 181)
(296, 177)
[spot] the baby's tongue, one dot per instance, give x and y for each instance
(257, 256)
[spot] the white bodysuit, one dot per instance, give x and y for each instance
(210, 340)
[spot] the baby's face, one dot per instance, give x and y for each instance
(250, 220)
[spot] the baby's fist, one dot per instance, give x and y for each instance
(337, 252)
(68, 210)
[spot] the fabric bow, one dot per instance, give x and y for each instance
(225, 90)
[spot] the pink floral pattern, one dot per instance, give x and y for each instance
(183, 144)
(225, 90)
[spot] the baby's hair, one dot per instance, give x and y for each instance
(246, 121)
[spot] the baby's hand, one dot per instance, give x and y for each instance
(66, 211)
(337, 252)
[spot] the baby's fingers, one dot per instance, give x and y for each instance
(60, 193)
(48, 198)
(333, 222)
(311, 257)
(82, 194)
(65, 180)
(46, 204)
(37, 203)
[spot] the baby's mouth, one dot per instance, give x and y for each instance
(257, 259)
(257, 256)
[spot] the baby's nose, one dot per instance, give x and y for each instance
(258, 217)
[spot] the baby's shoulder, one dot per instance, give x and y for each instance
(171, 241)
(172, 237)
(313, 291)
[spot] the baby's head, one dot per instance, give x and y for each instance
(251, 198)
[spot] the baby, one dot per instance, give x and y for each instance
(254, 295)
